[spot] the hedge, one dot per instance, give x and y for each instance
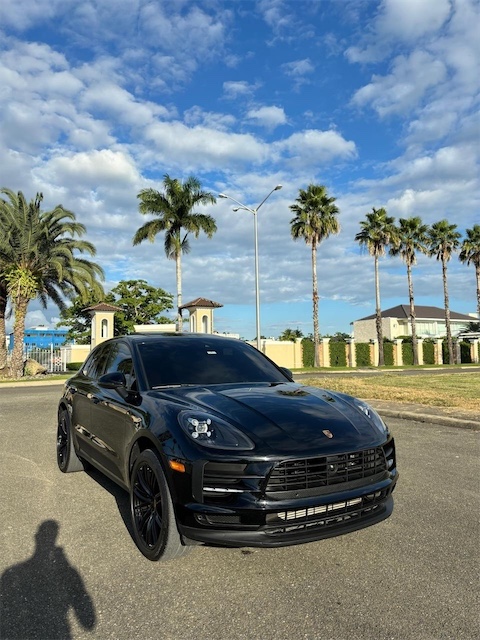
(446, 358)
(428, 352)
(338, 355)
(308, 352)
(388, 353)
(362, 354)
(74, 366)
(465, 353)
(407, 353)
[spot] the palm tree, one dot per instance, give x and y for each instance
(443, 240)
(290, 335)
(470, 253)
(37, 254)
(378, 231)
(174, 216)
(3, 332)
(315, 219)
(412, 237)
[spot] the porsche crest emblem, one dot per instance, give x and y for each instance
(327, 433)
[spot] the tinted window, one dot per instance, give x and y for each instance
(178, 361)
(119, 358)
(95, 363)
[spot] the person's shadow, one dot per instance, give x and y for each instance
(36, 595)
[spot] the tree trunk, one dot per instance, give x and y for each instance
(178, 264)
(477, 273)
(3, 333)
(316, 331)
(412, 314)
(378, 316)
(16, 365)
(451, 356)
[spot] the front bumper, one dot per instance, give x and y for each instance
(295, 522)
(265, 503)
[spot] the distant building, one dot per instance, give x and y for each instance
(430, 323)
(41, 337)
(201, 314)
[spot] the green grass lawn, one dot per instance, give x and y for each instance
(455, 390)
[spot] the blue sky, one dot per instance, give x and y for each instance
(377, 100)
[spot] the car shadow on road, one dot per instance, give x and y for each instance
(121, 496)
(37, 595)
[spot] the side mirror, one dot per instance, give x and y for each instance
(113, 380)
(287, 372)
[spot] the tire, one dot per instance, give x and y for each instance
(67, 458)
(153, 518)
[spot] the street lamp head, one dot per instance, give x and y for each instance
(278, 187)
(222, 195)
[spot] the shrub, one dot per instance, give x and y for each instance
(388, 353)
(465, 353)
(74, 366)
(446, 358)
(428, 352)
(338, 356)
(308, 352)
(407, 353)
(362, 354)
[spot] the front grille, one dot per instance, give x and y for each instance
(293, 477)
(225, 482)
(326, 516)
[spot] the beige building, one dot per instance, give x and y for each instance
(430, 323)
(201, 314)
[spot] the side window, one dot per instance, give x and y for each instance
(95, 363)
(120, 359)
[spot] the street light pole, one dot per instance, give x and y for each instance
(243, 207)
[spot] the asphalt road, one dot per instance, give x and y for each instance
(415, 576)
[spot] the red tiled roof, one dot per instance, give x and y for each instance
(203, 303)
(103, 306)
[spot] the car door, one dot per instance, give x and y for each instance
(82, 389)
(114, 417)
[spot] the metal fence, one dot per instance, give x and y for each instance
(52, 358)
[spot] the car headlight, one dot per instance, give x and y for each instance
(367, 410)
(209, 431)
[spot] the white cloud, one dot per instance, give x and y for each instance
(276, 15)
(235, 89)
(312, 146)
(22, 14)
(192, 33)
(269, 117)
(298, 70)
(118, 103)
(410, 79)
(202, 147)
(92, 170)
(298, 67)
(197, 116)
(398, 22)
(408, 20)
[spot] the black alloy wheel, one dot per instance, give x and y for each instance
(154, 526)
(67, 459)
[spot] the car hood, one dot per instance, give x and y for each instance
(288, 418)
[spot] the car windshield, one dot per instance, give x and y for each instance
(184, 361)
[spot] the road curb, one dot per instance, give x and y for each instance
(446, 421)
